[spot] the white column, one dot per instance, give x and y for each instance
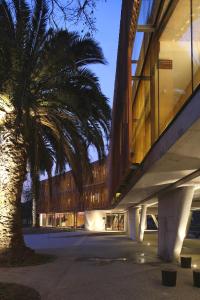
(155, 220)
(41, 217)
(142, 226)
(133, 223)
(173, 213)
(126, 222)
(189, 222)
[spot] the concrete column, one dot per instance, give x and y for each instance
(133, 223)
(189, 222)
(155, 220)
(126, 222)
(173, 213)
(142, 226)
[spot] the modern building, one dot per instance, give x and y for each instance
(63, 206)
(154, 164)
(154, 160)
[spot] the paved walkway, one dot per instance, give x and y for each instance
(126, 270)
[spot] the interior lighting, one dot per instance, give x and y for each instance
(118, 195)
(194, 266)
(148, 244)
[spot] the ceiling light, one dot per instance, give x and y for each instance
(194, 266)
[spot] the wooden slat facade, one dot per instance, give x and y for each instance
(65, 196)
(121, 136)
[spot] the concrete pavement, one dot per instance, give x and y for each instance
(78, 274)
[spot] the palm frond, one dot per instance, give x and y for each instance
(57, 100)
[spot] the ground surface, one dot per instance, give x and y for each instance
(79, 274)
(12, 291)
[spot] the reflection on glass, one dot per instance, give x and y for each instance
(196, 41)
(170, 75)
(145, 11)
(137, 45)
(175, 80)
(142, 122)
(43, 220)
(114, 222)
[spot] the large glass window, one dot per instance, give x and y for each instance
(170, 74)
(50, 220)
(114, 222)
(43, 219)
(142, 121)
(175, 79)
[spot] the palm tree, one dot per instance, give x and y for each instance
(51, 106)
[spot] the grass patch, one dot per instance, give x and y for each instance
(12, 291)
(32, 259)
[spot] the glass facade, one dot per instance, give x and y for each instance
(62, 219)
(174, 64)
(167, 72)
(114, 222)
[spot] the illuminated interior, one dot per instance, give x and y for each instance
(62, 219)
(115, 222)
(167, 77)
(175, 78)
(102, 220)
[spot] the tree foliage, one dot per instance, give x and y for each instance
(76, 12)
(46, 86)
(65, 12)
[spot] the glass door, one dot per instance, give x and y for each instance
(115, 222)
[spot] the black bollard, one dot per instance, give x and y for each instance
(169, 277)
(186, 262)
(196, 278)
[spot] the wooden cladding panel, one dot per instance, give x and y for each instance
(65, 196)
(121, 134)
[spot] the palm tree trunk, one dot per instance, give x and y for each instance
(35, 196)
(35, 214)
(12, 175)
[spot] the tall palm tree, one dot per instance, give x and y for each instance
(51, 106)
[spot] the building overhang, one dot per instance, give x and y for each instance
(173, 161)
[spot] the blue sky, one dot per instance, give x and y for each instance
(108, 19)
(107, 15)
(107, 23)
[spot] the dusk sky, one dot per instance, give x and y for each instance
(107, 23)
(108, 19)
